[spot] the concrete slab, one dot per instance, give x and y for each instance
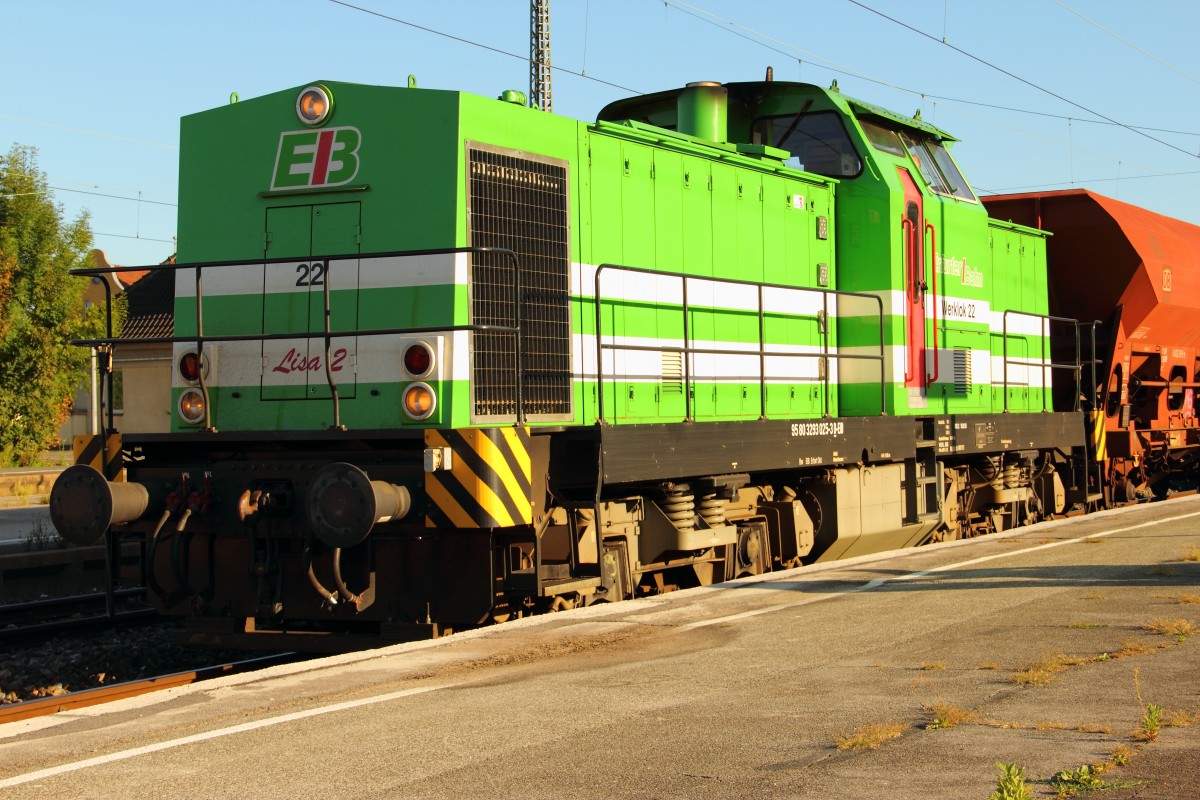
(741, 690)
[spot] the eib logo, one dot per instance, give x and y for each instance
(313, 159)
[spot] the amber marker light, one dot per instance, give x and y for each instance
(314, 105)
(419, 401)
(191, 406)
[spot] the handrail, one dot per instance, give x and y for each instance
(1046, 365)
(909, 259)
(933, 272)
(687, 350)
(326, 334)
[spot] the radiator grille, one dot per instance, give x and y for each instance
(520, 204)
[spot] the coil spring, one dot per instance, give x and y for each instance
(679, 504)
(712, 508)
(997, 469)
(1012, 476)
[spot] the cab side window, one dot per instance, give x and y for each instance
(817, 141)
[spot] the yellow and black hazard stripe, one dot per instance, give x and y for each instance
(102, 453)
(489, 483)
(1099, 436)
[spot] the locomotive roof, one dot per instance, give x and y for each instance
(755, 91)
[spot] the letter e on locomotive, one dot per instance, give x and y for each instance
(489, 483)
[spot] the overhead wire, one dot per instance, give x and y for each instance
(1089, 180)
(480, 45)
(1126, 42)
(1018, 78)
(750, 34)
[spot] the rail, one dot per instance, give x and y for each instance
(1048, 365)
(687, 351)
(327, 333)
(84, 698)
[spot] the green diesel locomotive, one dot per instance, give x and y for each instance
(443, 359)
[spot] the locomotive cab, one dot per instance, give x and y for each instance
(963, 294)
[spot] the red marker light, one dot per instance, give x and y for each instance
(189, 367)
(418, 360)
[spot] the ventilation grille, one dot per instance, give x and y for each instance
(672, 372)
(520, 204)
(962, 371)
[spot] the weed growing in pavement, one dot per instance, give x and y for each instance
(1086, 778)
(1151, 723)
(1095, 596)
(987, 665)
(1179, 628)
(1181, 599)
(1010, 783)
(933, 665)
(1132, 647)
(1083, 625)
(1151, 714)
(1051, 725)
(1121, 756)
(1192, 554)
(1182, 719)
(1042, 671)
(41, 537)
(945, 715)
(871, 737)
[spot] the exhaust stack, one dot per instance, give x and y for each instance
(703, 111)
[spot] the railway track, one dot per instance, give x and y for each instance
(55, 614)
(45, 706)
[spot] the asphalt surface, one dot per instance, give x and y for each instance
(742, 690)
(17, 524)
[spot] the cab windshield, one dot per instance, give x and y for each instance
(936, 166)
(817, 141)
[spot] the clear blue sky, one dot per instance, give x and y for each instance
(99, 87)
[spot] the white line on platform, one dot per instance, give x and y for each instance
(123, 755)
(877, 582)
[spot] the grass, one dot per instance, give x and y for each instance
(1181, 599)
(1132, 647)
(1178, 628)
(871, 737)
(946, 715)
(1182, 719)
(41, 537)
(1121, 755)
(1042, 671)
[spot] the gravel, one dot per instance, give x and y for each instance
(71, 662)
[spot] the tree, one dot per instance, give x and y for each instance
(41, 309)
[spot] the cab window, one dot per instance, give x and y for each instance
(936, 166)
(882, 139)
(817, 141)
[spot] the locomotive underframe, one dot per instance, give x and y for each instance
(245, 568)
